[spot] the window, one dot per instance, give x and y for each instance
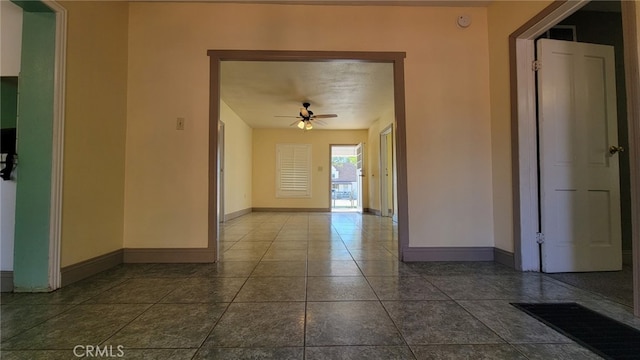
(293, 170)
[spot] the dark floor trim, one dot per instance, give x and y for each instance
(169, 255)
(262, 209)
(84, 269)
(6, 281)
(627, 257)
(448, 254)
(236, 214)
(372, 211)
(504, 257)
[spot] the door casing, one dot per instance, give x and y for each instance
(523, 130)
(221, 213)
(387, 170)
(360, 175)
(53, 276)
(394, 58)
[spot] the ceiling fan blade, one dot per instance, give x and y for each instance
(320, 122)
(286, 116)
(325, 116)
(295, 122)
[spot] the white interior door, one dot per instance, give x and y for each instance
(579, 177)
(359, 174)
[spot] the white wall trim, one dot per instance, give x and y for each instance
(57, 153)
(552, 19)
(528, 258)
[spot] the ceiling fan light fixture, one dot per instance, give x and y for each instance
(306, 117)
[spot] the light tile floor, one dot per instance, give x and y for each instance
(299, 286)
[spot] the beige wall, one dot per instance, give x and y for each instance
(448, 134)
(447, 107)
(504, 18)
(238, 161)
(95, 126)
(264, 164)
(458, 147)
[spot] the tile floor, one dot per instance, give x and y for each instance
(617, 285)
(298, 286)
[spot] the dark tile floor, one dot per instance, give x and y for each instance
(617, 285)
(299, 286)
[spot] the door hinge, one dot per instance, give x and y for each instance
(536, 65)
(540, 238)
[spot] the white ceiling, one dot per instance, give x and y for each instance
(259, 91)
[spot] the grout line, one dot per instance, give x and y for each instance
(293, 221)
(306, 297)
(72, 307)
(127, 324)
(457, 302)
(228, 304)
(211, 330)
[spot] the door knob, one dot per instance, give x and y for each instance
(615, 149)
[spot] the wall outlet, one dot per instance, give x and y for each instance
(180, 123)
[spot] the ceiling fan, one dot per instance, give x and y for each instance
(306, 116)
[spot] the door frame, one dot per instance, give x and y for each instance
(221, 153)
(331, 146)
(394, 58)
(384, 190)
(57, 153)
(54, 278)
(523, 131)
(360, 175)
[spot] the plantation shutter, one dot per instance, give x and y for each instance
(293, 170)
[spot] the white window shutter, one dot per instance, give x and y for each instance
(293, 170)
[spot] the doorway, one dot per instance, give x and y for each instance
(38, 210)
(346, 184)
(394, 58)
(527, 256)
